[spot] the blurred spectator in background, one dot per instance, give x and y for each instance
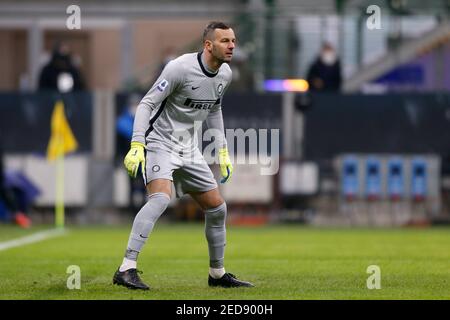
(242, 73)
(168, 54)
(8, 200)
(60, 73)
(325, 73)
(124, 127)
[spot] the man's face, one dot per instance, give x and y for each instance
(222, 45)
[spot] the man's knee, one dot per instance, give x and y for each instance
(216, 216)
(209, 199)
(156, 204)
(161, 197)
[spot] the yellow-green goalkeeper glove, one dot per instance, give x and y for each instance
(226, 168)
(134, 158)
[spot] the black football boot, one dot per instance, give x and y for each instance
(228, 280)
(130, 279)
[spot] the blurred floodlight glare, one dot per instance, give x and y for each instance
(281, 85)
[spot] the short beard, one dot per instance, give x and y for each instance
(227, 60)
(221, 60)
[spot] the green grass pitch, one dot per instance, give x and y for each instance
(283, 261)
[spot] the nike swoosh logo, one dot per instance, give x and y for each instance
(135, 152)
(194, 88)
(140, 235)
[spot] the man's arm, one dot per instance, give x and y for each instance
(169, 80)
(215, 121)
(215, 118)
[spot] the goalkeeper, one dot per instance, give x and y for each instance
(189, 89)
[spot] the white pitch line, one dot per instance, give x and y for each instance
(36, 237)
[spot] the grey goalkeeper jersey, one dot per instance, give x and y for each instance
(184, 93)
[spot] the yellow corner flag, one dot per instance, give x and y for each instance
(62, 141)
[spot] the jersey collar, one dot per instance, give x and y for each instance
(206, 72)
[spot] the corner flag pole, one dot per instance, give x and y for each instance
(59, 200)
(62, 141)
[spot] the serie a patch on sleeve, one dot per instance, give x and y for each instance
(162, 85)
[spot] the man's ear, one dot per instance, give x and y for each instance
(208, 45)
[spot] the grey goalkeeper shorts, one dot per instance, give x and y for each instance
(189, 173)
